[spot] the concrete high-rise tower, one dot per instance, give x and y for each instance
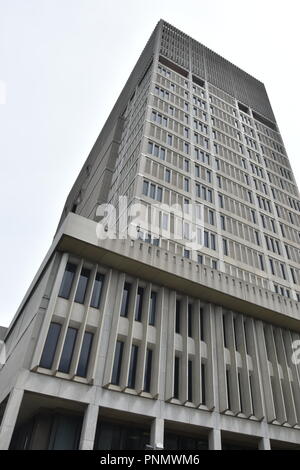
(171, 318)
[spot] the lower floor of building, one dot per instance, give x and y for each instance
(52, 423)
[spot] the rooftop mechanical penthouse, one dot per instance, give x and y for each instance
(154, 339)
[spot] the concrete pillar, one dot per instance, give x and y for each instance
(264, 444)
(157, 433)
(214, 440)
(89, 427)
(10, 417)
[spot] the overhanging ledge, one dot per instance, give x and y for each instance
(174, 272)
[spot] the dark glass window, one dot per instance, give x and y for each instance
(184, 442)
(139, 304)
(152, 311)
(148, 370)
(228, 389)
(119, 436)
(117, 363)
(97, 290)
(132, 366)
(177, 316)
(67, 281)
(190, 380)
(67, 353)
(50, 346)
(176, 377)
(224, 331)
(202, 336)
(125, 300)
(85, 354)
(190, 321)
(203, 383)
(82, 285)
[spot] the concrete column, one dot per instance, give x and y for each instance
(89, 427)
(264, 444)
(214, 440)
(10, 417)
(157, 433)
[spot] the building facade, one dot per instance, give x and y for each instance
(176, 329)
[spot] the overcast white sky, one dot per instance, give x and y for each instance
(64, 62)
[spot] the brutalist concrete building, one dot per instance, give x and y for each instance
(153, 339)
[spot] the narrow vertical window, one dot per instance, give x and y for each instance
(50, 346)
(203, 383)
(82, 285)
(224, 331)
(190, 380)
(97, 290)
(116, 373)
(177, 316)
(190, 320)
(67, 281)
(85, 354)
(148, 371)
(228, 390)
(67, 353)
(125, 300)
(202, 335)
(132, 366)
(139, 304)
(176, 377)
(152, 310)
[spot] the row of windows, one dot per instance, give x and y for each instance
(50, 349)
(140, 299)
(68, 280)
(117, 366)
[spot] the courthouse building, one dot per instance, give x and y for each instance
(155, 339)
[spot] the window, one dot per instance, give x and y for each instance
(202, 336)
(186, 253)
(282, 268)
(167, 175)
(115, 379)
(224, 331)
(190, 320)
(133, 366)
(125, 300)
(206, 239)
(177, 316)
(225, 247)
(221, 203)
(67, 353)
(214, 264)
(261, 262)
(190, 380)
(159, 194)
(50, 346)
(139, 304)
(97, 290)
(82, 285)
(152, 310)
(148, 370)
(176, 377)
(145, 188)
(211, 217)
(66, 285)
(186, 184)
(85, 354)
(203, 383)
(223, 223)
